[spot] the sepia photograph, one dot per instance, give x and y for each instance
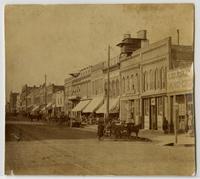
(100, 89)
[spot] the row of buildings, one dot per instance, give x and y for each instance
(148, 83)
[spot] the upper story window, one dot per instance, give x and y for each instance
(132, 83)
(123, 85)
(128, 83)
(156, 78)
(117, 87)
(137, 82)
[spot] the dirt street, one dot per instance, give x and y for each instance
(44, 149)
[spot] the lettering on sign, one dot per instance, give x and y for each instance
(180, 79)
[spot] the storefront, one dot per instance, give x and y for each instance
(113, 108)
(154, 111)
(130, 109)
(180, 94)
(77, 110)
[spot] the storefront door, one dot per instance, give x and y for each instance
(153, 114)
(146, 113)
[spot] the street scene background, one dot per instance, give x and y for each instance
(100, 89)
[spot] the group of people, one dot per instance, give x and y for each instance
(184, 125)
(59, 118)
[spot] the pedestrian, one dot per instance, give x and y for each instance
(100, 130)
(165, 125)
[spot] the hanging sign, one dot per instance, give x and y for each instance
(153, 101)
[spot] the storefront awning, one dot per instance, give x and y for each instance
(113, 106)
(49, 105)
(80, 106)
(36, 108)
(30, 107)
(73, 98)
(94, 105)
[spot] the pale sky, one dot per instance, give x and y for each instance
(58, 39)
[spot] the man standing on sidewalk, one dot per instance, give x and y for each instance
(100, 128)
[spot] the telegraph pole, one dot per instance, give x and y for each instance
(26, 98)
(178, 36)
(175, 107)
(45, 87)
(108, 88)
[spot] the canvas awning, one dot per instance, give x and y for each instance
(113, 106)
(36, 108)
(43, 109)
(49, 105)
(94, 104)
(81, 105)
(29, 108)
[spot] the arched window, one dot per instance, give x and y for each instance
(150, 79)
(128, 83)
(123, 85)
(117, 87)
(160, 76)
(156, 78)
(145, 81)
(132, 83)
(137, 85)
(164, 77)
(113, 88)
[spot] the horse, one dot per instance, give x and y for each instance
(131, 127)
(124, 129)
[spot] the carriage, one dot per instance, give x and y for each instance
(121, 129)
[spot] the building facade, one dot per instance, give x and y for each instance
(143, 75)
(13, 101)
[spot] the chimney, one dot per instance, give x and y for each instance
(142, 34)
(126, 36)
(144, 43)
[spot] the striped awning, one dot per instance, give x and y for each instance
(94, 104)
(113, 106)
(81, 105)
(36, 108)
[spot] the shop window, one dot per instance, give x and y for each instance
(146, 107)
(160, 106)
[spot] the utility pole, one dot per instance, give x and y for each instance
(175, 107)
(108, 88)
(26, 97)
(178, 36)
(45, 88)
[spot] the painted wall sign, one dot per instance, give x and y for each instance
(180, 79)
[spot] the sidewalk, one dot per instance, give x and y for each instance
(25, 122)
(157, 136)
(163, 139)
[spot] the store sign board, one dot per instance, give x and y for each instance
(153, 101)
(180, 79)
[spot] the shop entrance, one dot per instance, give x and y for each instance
(153, 114)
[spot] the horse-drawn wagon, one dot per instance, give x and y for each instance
(121, 129)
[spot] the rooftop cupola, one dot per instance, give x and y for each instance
(128, 45)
